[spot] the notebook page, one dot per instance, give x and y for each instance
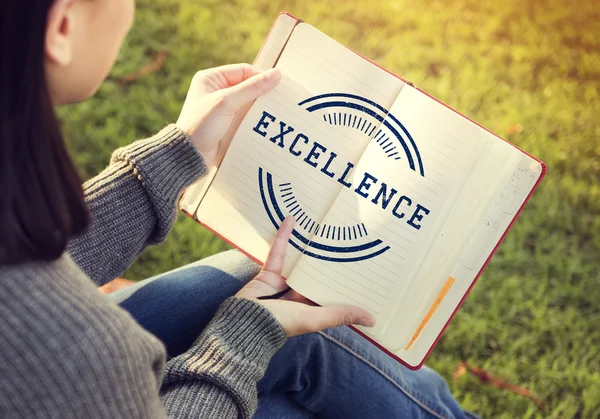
(485, 174)
(520, 180)
(339, 86)
(323, 66)
(436, 151)
(489, 175)
(314, 67)
(281, 162)
(266, 58)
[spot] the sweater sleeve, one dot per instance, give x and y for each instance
(132, 202)
(68, 351)
(217, 377)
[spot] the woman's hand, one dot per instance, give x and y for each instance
(296, 314)
(215, 96)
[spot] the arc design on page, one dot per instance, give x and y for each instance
(370, 118)
(351, 242)
(342, 253)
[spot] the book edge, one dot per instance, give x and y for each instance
(490, 256)
(222, 237)
(185, 195)
(542, 174)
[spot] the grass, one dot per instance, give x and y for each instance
(528, 70)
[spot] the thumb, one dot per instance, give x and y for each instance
(333, 316)
(251, 88)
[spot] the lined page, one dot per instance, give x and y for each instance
(489, 230)
(490, 173)
(322, 65)
(281, 162)
(485, 175)
(409, 220)
(312, 65)
(266, 58)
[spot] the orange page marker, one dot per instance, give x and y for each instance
(432, 309)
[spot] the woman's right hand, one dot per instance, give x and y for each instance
(214, 97)
(296, 314)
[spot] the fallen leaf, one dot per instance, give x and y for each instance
(514, 129)
(485, 377)
(460, 370)
(157, 64)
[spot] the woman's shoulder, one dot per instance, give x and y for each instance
(52, 310)
(61, 339)
(58, 301)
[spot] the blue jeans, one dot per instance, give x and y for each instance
(331, 374)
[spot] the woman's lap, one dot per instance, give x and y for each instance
(177, 305)
(335, 373)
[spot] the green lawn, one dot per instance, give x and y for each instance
(533, 319)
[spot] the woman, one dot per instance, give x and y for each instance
(68, 351)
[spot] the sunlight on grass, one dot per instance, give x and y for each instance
(529, 71)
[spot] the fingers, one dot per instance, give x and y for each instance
(227, 75)
(251, 88)
(298, 319)
(333, 316)
(236, 73)
(237, 84)
(276, 257)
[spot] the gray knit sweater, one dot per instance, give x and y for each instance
(66, 351)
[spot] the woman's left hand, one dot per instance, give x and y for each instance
(296, 314)
(213, 99)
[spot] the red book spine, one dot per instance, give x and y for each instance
(544, 170)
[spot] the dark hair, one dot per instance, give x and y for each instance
(41, 198)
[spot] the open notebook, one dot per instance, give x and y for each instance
(399, 201)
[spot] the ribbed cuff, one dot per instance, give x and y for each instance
(231, 355)
(165, 163)
(248, 327)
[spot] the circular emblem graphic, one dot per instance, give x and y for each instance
(339, 243)
(370, 118)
